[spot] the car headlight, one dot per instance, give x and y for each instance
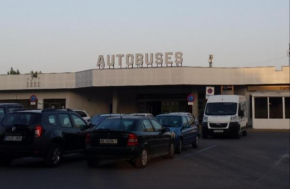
(234, 118)
(205, 119)
(173, 134)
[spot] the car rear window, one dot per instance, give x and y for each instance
(117, 125)
(18, 119)
(169, 121)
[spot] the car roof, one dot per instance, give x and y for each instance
(27, 111)
(79, 110)
(180, 113)
(171, 115)
(129, 117)
(10, 104)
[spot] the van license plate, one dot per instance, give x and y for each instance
(13, 138)
(218, 131)
(108, 141)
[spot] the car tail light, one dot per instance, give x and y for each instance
(132, 140)
(38, 131)
(88, 139)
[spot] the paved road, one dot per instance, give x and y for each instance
(260, 160)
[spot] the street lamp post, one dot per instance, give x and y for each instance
(210, 60)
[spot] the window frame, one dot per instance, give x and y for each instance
(255, 107)
(284, 103)
(187, 125)
(152, 121)
(145, 129)
(269, 107)
(60, 122)
(74, 124)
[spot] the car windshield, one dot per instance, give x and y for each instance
(19, 119)
(221, 108)
(169, 121)
(117, 125)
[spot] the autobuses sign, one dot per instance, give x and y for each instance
(138, 59)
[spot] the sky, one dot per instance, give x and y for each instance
(68, 35)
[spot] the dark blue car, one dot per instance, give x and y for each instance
(185, 129)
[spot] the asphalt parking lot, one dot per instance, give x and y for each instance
(259, 160)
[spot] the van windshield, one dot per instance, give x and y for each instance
(221, 108)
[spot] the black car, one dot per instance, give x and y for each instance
(97, 119)
(129, 137)
(41, 133)
(6, 108)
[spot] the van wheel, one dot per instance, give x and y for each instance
(237, 134)
(142, 160)
(53, 156)
(245, 133)
(195, 144)
(5, 162)
(93, 162)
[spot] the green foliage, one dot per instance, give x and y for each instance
(13, 72)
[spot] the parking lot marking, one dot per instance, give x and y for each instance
(281, 159)
(198, 152)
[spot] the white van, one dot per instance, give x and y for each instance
(225, 114)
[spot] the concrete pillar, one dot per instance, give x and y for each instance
(195, 105)
(115, 101)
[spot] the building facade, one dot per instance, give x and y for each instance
(153, 90)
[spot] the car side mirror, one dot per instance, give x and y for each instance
(196, 122)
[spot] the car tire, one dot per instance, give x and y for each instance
(171, 151)
(245, 132)
(237, 134)
(93, 162)
(53, 156)
(204, 135)
(179, 147)
(195, 143)
(5, 162)
(142, 160)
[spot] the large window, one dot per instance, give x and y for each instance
(276, 107)
(261, 107)
(287, 107)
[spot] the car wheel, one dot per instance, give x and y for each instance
(204, 134)
(171, 152)
(245, 133)
(195, 144)
(179, 147)
(5, 162)
(237, 134)
(93, 162)
(53, 156)
(142, 160)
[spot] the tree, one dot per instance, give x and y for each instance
(13, 72)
